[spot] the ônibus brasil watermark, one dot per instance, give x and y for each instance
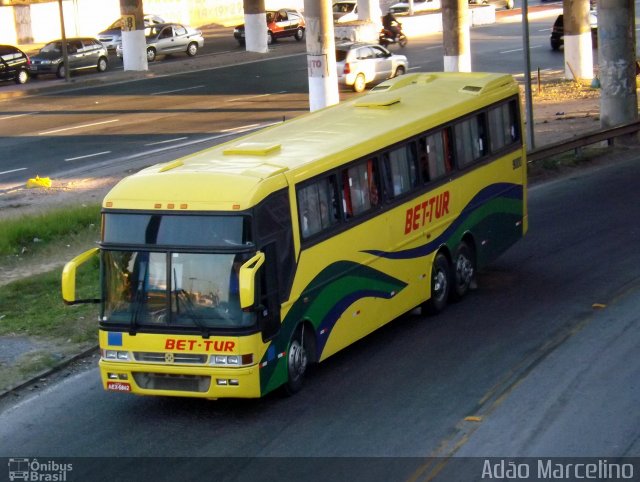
(38, 471)
(549, 469)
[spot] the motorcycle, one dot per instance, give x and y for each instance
(387, 38)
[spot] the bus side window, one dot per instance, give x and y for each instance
(400, 164)
(439, 151)
(470, 140)
(317, 206)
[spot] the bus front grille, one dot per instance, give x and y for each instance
(166, 381)
(174, 358)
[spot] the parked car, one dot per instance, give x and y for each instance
(360, 64)
(282, 23)
(14, 64)
(170, 38)
(402, 8)
(345, 11)
(112, 36)
(83, 53)
(508, 4)
(557, 31)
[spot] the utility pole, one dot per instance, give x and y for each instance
(134, 44)
(65, 51)
(617, 65)
(455, 35)
(255, 26)
(321, 54)
(578, 49)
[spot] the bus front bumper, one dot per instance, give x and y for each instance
(180, 381)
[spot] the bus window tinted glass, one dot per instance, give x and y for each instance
(471, 140)
(503, 125)
(360, 188)
(401, 169)
(438, 155)
(182, 230)
(317, 206)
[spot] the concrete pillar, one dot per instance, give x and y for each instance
(134, 45)
(369, 10)
(22, 21)
(455, 36)
(617, 64)
(578, 51)
(321, 54)
(255, 26)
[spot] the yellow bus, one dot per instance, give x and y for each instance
(227, 272)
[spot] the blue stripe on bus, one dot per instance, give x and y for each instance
(502, 190)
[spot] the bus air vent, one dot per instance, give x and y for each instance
(471, 89)
(253, 149)
(380, 101)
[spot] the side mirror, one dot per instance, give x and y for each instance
(247, 280)
(69, 277)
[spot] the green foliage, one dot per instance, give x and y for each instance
(36, 231)
(34, 306)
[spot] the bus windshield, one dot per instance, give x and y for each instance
(173, 289)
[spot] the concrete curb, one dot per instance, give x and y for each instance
(48, 372)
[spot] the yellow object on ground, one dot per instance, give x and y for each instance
(39, 182)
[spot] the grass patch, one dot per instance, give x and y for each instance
(32, 233)
(34, 306)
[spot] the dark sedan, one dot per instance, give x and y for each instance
(83, 53)
(14, 64)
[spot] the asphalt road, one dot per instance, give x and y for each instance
(184, 105)
(543, 354)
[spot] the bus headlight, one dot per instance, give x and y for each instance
(115, 355)
(232, 361)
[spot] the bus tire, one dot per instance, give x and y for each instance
(463, 271)
(297, 360)
(440, 285)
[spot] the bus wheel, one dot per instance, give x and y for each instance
(463, 271)
(297, 361)
(440, 281)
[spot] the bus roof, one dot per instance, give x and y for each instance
(240, 173)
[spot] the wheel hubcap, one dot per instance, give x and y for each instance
(464, 268)
(297, 360)
(439, 284)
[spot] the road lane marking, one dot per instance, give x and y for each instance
(249, 126)
(77, 127)
(177, 90)
(88, 155)
(167, 141)
(520, 49)
(13, 170)
(18, 115)
(247, 97)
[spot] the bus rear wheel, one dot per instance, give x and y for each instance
(440, 285)
(463, 271)
(297, 361)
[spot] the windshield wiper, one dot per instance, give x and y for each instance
(191, 312)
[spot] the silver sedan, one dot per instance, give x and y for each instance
(170, 38)
(360, 64)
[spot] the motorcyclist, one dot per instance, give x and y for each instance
(391, 24)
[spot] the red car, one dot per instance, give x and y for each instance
(281, 23)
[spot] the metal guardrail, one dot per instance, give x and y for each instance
(582, 141)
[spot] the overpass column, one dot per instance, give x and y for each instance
(617, 64)
(22, 21)
(455, 34)
(255, 26)
(134, 45)
(321, 54)
(578, 50)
